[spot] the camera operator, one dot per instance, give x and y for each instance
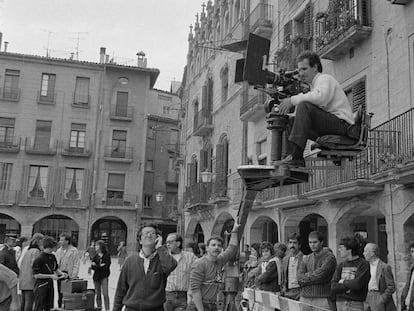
(323, 110)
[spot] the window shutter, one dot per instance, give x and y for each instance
(204, 97)
(203, 160)
(288, 32)
(358, 95)
(219, 165)
(308, 31)
(190, 168)
(365, 12)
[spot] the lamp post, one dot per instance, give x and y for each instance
(206, 177)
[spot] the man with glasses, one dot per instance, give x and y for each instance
(142, 281)
(177, 289)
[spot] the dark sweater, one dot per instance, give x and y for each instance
(356, 276)
(268, 279)
(141, 291)
(8, 258)
(315, 274)
(101, 266)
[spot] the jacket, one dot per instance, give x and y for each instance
(404, 294)
(285, 262)
(268, 278)
(386, 286)
(101, 266)
(68, 261)
(139, 290)
(26, 279)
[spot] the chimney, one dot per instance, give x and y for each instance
(5, 46)
(102, 55)
(142, 61)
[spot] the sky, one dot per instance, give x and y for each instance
(159, 28)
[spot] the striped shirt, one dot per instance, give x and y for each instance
(179, 279)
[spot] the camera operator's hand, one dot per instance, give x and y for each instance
(285, 106)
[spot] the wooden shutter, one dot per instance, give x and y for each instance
(219, 165)
(203, 160)
(308, 25)
(358, 95)
(204, 97)
(364, 12)
(190, 174)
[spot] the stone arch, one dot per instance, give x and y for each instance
(8, 226)
(304, 225)
(369, 223)
(55, 224)
(194, 232)
(264, 228)
(111, 229)
(223, 222)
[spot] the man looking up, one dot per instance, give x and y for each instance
(315, 274)
(207, 272)
(323, 110)
(178, 282)
(291, 264)
(381, 286)
(407, 296)
(141, 283)
(350, 281)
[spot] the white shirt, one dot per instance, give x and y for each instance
(372, 285)
(327, 94)
(147, 260)
(292, 272)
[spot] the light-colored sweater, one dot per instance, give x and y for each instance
(68, 260)
(326, 93)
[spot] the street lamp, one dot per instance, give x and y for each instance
(159, 197)
(206, 176)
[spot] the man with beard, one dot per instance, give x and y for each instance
(142, 281)
(291, 264)
(178, 282)
(315, 274)
(207, 272)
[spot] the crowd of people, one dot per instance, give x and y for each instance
(167, 276)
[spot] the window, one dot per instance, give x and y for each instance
(224, 84)
(42, 135)
(174, 136)
(151, 132)
(81, 96)
(149, 165)
(222, 166)
(37, 181)
(5, 174)
(195, 119)
(121, 108)
(77, 136)
(11, 84)
(6, 131)
(73, 183)
(147, 201)
(47, 88)
(118, 144)
(356, 94)
(115, 189)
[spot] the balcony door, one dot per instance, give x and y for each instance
(42, 135)
(118, 144)
(121, 108)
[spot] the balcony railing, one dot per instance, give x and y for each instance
(10, 145)
(253, 107)
(260, 20)
(121, 113)
(81, 100)
(76, 151)
(343, 28)
(113, 154)
(10, 94)
(391, 144)
(48, 99)
(198, 193)
(203, 122)
(34, 145)
(126, 201)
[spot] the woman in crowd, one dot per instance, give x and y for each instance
(251, 264)
(267, 272)
(101, 264)
(26, 279)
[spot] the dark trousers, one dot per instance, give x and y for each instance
(101, 288)
(175, 301)
(27, 300)
(60, 295)
(311, 122)
(43, 297)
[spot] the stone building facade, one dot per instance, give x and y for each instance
(368, 47)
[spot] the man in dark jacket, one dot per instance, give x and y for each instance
(350, 281)
(143, 277)
(381, 286)
(407, 296)
(291, 264)
(8, 255)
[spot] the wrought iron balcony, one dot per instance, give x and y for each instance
(260, 20)
(121, 201)
(252, 109)
(10, 94)
(117, 154)
(391, 147)
(198, 194)
(69, 150)
(81, 100)
(120, 113)
(203, 122)
(48, 99)
(10, 145)
(343, 28)
(35, 145)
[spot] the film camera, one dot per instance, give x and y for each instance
(253, 69)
